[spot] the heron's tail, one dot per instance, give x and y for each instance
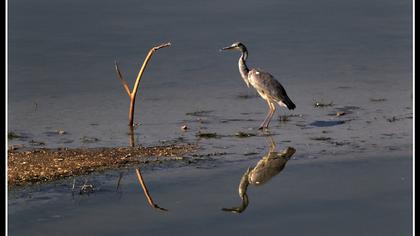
(288, 103)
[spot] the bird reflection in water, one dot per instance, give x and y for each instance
(268, 167)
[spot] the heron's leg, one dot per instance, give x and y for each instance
(272, 109)
(264, 124)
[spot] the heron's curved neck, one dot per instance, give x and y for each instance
(243, 68)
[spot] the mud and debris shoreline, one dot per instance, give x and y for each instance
(43, 164)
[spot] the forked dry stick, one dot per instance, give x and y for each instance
(132, 94)
(146, 192)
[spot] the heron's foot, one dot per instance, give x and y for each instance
(263, 128)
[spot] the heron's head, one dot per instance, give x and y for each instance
(235, 46)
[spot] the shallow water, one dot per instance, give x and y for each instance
(356, 55)
(322, 198)
(61, 55)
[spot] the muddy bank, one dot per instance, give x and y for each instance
(42, 165)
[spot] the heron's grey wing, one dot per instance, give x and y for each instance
(263, 81)
(269, 87)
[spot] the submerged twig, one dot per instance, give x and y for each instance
(132, 94)
(86, 188)
(119, 180)
(146, 192)
(74, 184)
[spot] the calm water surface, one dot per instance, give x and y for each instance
(61, 55)
(355, 197)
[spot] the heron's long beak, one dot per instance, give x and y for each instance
(227, 48)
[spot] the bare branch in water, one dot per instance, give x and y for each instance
(133, 92)
(131, 135)
(120, 77)
(162, 46)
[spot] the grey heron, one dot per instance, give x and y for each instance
(266, 85)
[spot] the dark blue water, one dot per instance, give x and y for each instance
(350, 178)
(318, 198)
